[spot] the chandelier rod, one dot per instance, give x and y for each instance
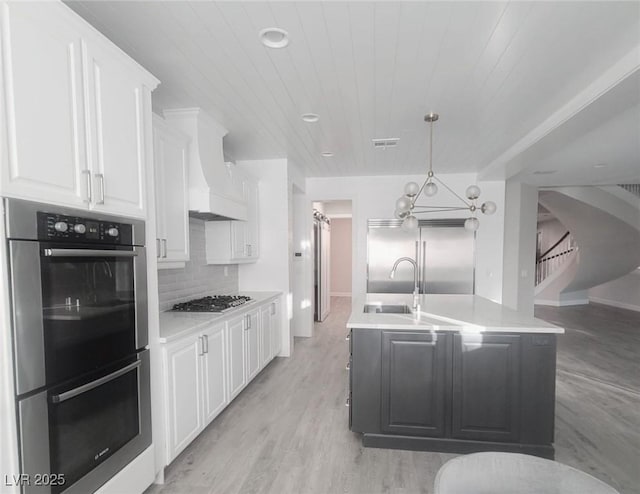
(450, 190)
(431, 117)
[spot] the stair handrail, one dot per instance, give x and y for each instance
(633, 188)
(547, 264)
(541, 256)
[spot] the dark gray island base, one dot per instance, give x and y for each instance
(453, 391)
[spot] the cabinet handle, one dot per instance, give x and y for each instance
(205, 340)
(348, 366)
(164, 245)
(348, 403)
(100, 177)
(89, 198)
(201, 352)
(348, 337)
(158, 248)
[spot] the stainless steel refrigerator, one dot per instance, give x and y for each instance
(443, 250)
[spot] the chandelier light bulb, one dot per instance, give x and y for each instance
(410, 223)
(488, 207)
(473, 192)
(430, 189)
(403, 203)
(401, 214)
(411, 189)
(471, 224)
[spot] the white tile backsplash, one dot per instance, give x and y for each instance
(198, 278)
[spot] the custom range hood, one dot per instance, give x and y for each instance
(214, 195)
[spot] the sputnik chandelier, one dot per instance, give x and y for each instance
(407, 209)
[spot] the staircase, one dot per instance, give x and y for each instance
(604, 243)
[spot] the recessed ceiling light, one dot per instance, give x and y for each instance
(544, 172)
(600, 165)
(274, 37)
(310, 117)
(327, 154)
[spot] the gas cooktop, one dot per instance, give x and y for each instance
(213, 303)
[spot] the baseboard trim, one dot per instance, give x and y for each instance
(614, 303)
(462, 446)
(561, 303)
(340, 294)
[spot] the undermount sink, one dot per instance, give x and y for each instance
(387, 309)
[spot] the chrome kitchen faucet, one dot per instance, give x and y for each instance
(416, 290)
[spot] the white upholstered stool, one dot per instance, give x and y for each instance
(513, 473)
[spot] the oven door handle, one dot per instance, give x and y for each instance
(93, 384)
(88, 253)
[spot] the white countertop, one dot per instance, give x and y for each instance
(462, 313)
(175, 325)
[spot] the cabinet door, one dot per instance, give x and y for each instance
(276, 324)
(486, 376)
(236, 362)
(265, 335)
(172, 208)
(214, 374)
(43, 156)
(117, 122)
(414, 367)
(253, 344)
(238, 239)
(184, 385)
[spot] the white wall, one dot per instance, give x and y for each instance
(340, 257)
(301, 268)
(623, 292)
(271, 271)
(374, 197)
(520, 225)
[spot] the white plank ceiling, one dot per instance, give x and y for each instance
(494, 71)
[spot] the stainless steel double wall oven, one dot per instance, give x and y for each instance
(79, 303)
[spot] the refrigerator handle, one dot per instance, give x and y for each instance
(423, 274)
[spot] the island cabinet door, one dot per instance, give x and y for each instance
(486, 395)
(414, 383)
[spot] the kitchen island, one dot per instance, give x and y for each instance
(458, 374)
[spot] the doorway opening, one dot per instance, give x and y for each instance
(332, 247)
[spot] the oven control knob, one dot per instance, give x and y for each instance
(79, 228)
(61, 226)
(113, 232)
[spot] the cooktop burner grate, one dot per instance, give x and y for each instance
(213, 303)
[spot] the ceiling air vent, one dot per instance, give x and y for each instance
(389, 142)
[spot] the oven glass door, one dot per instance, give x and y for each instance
(88, 305)
(89, 420)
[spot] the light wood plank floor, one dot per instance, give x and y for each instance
(287, 432)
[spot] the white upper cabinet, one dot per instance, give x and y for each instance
(235, 242)
(171, 157)
(76, 127)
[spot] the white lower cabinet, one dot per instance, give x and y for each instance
(214, 372)
(253, 344)
(266, 352)
(196, 385)
(237, 355)
(205, 370)
(276, 324)
(183, 392)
